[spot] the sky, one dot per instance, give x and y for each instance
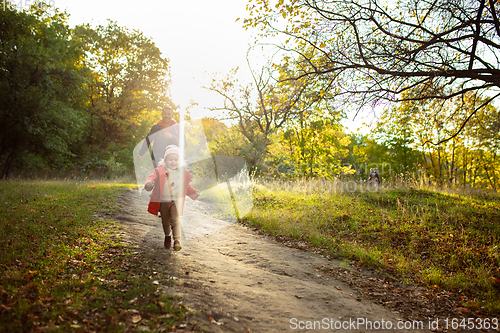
(199, 37)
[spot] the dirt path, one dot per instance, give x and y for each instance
(239, 281)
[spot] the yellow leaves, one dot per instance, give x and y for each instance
(322, 45)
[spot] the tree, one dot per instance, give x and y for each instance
(395, 130)
(267, 105)
(317, 147)
(366, 153)
(213, 128)
(130, 78)
(376, 49)
(40, 95)
(469, 158)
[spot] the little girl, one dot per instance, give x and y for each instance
(170, 185)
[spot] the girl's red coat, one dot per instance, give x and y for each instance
(158, 176)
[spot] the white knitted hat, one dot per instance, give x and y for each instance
(172, 149)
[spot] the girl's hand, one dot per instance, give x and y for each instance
(149, 186)
(197, 194)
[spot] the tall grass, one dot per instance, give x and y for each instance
(442, 238)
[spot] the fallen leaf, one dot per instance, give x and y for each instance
(213, 321)
(4, 308)
(136, 319)
(168, 315)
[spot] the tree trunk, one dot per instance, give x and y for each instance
(452, 166)
(8, 161)
(464, 166)
(485, 167)
(494, 171)
(440, 167)
(432, 165)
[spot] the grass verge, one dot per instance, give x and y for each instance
(442, 240)
(63, 269)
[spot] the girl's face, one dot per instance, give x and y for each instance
(172, 161)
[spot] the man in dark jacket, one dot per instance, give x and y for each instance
(164, 133)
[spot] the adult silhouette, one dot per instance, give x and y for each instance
(164, 133)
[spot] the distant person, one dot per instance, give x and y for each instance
(164, 133)
(374, 178)
(170, 185)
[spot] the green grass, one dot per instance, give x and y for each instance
(443, 240)
(63, 268)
